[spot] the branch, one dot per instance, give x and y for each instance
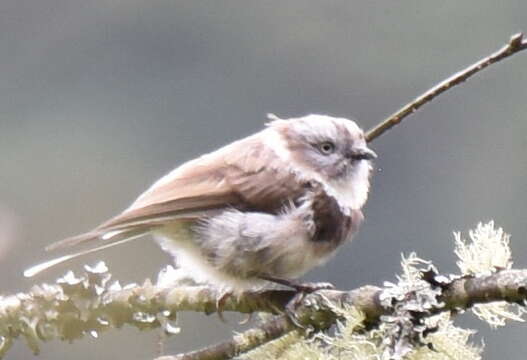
(91, 304)
(515, 44)
(506, 285)
(318, 309)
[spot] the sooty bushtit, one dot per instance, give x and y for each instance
(270, 206)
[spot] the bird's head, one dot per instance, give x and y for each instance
(330, 150)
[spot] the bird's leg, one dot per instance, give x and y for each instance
(302, 288)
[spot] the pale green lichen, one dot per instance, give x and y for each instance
(351, 341)
(447, 342)
(412, 266)
(486, 251)
(396, 337)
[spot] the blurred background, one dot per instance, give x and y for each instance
(100, 98)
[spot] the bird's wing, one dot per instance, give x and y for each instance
(245, 175)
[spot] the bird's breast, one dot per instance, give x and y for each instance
(333, 224)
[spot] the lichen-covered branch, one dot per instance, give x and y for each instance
(92, 303)
(506, 285)
(516, 44)
(317, 311)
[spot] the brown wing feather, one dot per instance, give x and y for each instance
(262, 180)
(244, 175)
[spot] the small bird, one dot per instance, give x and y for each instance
(268, 207)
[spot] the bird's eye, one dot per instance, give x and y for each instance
(327, 147)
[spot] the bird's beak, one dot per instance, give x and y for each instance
(364, 153)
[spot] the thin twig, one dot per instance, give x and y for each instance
(270, 330)
(515, 44)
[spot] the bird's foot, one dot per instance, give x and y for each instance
(302, 289)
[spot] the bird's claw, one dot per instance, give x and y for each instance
(302, 290)
(291, 307)
(220, 304)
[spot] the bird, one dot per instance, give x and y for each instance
(263, 209)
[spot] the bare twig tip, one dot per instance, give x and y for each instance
(516, 40)
(516, 44)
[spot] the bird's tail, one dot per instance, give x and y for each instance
(110, 238)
